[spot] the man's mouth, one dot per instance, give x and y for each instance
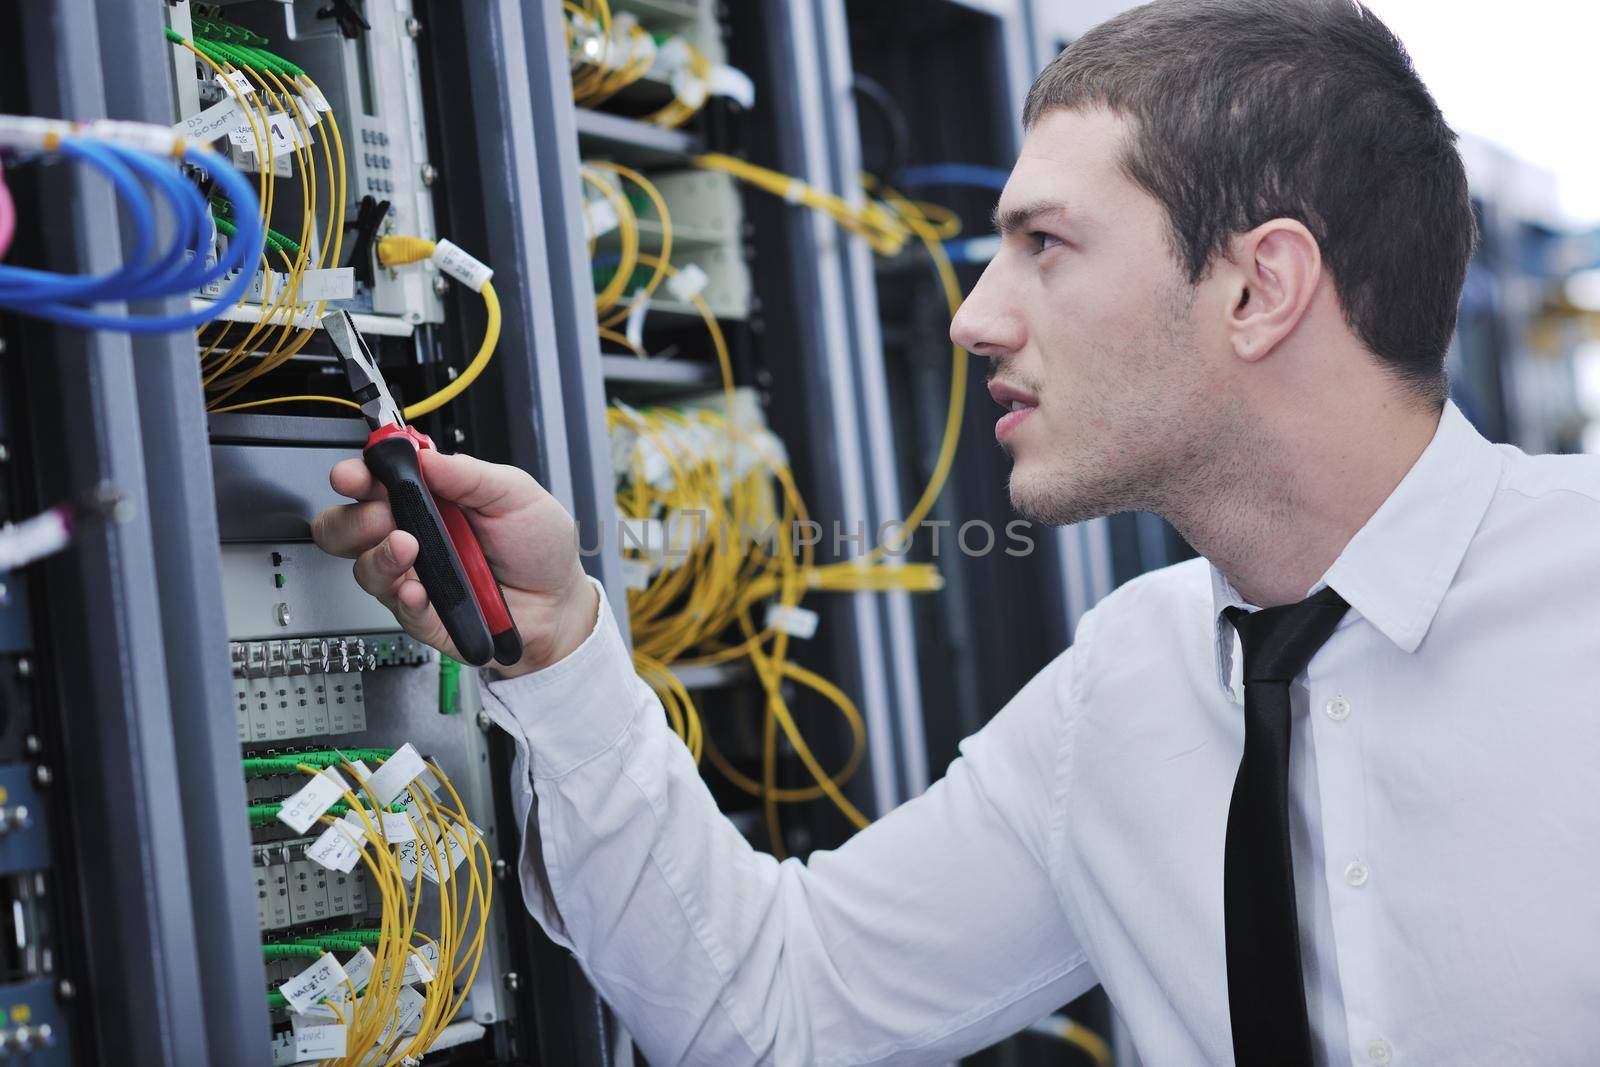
(1018, 404)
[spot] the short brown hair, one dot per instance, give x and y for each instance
(1249, 110)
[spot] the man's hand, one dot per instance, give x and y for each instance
(528, 538)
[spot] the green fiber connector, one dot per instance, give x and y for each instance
(266, 814)
(289, 763)
(449, 686)
(276, 1001)
(341, 940)
(289, 951)
(224, 227)
(286, 244)
(228, 31)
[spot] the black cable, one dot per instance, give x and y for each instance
(899, 125)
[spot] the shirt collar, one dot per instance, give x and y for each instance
(1396, 569)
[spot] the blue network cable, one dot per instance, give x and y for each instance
(952, 174)
(176, 270)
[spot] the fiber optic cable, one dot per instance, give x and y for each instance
(107, 146)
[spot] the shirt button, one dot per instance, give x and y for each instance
(1338, 709)
(1356, 875)
(1379, 1051)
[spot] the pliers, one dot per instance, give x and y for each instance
(450, 562)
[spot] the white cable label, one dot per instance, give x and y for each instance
(313, 983)
(31, 134)
(318, 101)
(281, 136)
(339, 847)
(43, 535)
(398, 828)
(462, 266)
(214, 122)
(687, 283)
(314, 798)
(397, 772)
(318, 1041)
(408, 1010)
(236, 83)
(328, 283)
(792, 620)
(690, 89)
(634, 331)
(358, 969)
(158, 140)
(451, 847)
(599, 217)
(308, 114)
(734, 84)
(422, 963)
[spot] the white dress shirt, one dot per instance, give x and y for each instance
(1445, 792)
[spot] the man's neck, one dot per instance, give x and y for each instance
(1298, 489)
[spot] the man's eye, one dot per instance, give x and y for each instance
(1043, 241)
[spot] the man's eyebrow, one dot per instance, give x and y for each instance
(1018, 218)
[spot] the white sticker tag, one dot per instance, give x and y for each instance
(408, 1009)
(397, 772)
(243, 136)
(690, 90)
(338, 849)
(215, 121)
(453, 845)
(405, 854)
(599, 217)
(634, 331)
(236, 83)
(308, 114)
(635, 573)
(318, 1041)
(328, 283)
(158, 140)
(281, 136)
(456, 262)
(314, 798)
(734, 84)
(283, 1050)
(398, 828)
(422, 964)
(687, 283)
(318, 101)
(313, 983)
(792, 620)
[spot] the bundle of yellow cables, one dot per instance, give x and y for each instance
(442, 832)
(610, 55)
(683, 616)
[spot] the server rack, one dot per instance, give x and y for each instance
(176, 915)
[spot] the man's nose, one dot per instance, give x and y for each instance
(987, 324)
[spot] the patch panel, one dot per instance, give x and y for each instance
(293, 891)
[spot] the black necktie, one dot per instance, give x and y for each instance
(1266, 996)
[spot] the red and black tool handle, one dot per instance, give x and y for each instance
(450, 561)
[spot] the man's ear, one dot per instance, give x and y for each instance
(1277, 268)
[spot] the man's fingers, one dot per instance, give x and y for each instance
(351, 478)
(379, 569)
(490, 489)
(350, 529)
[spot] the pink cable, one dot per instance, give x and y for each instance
(8, 216)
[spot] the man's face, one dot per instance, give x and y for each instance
(1089, 320)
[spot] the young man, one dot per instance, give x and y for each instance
(1362, 832)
